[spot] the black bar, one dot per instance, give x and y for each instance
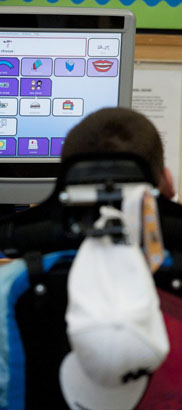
(44, 21)
(29, 170)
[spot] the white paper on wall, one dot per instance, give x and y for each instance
(157, 93)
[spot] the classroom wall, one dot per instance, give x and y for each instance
(166, 14)
(157, 92)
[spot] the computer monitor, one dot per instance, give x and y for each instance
(57, 65)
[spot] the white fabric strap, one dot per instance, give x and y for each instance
(132, 209)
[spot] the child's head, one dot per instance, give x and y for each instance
(121, 130)
(117, 129)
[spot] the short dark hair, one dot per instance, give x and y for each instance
(119, 130)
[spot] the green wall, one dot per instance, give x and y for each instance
(167, 14)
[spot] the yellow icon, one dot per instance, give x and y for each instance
(152, 238)
(2, 144)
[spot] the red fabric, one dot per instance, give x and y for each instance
(165, 389)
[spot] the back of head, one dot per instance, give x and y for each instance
(118, 130)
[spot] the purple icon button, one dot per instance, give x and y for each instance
(65, 67)
(7, 146)
(8, 86)
(9, 66)
(36, 87)
(36, 66)
(57, 146)
(33, 146)
(102, 67)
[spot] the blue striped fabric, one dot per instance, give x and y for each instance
(14, 281)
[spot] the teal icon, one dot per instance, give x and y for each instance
(3, 104)
(4, 62)
(37, 64)
(4, 85)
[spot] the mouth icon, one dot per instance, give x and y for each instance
(102, 65)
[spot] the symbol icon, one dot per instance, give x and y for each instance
(32, 144)
(3, 105)
(4, 85)
(37, 64)
(4, 62)
(102, 65)
(3, 145)
(7, 42)
(36, 85)
(68, 105)
(35, 105)
(69, 65)
(3, 122)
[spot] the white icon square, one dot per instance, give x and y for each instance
(68, 107)
(8, 126)
(8, 106)
(35, 107)
(108, 47)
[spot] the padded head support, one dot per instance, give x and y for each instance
(102, 168)
(92, 180)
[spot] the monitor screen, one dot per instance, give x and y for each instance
(55, 69)
(51, 81)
